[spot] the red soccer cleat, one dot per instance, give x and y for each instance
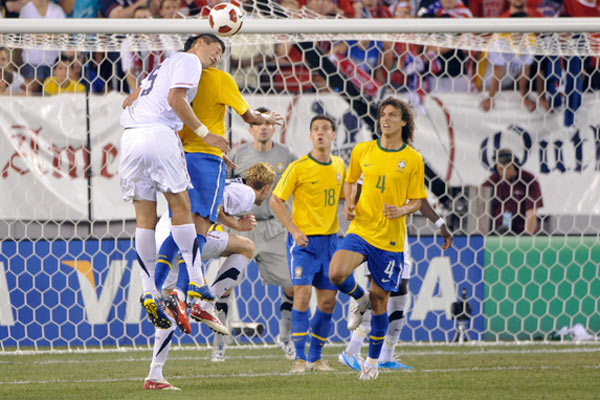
(179, 310)
(149, 384)
(208, 315)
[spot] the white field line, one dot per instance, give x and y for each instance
(399, 352)
(282, 374)
(260, 346)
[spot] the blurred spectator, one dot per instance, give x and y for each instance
(444, 9)
(370, 9)
(325, 8)
(574, 65)
(198, 7)
(107, 62)
(294, 75)
(447, 67)
(120, 8)
(403, 61)
(515, 196)
(36, 63)
(12, 82)
(290, 4)
(366, 59)
(59, 82)
(84, 9)
(507, 68)
(74, 61)
(169, 9)
(487, 8)
(12, 8)
(137, 61)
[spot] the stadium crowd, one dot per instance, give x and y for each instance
(379, 68)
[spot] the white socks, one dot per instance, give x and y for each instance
(162, 345)
(185, 239)
(145, 246)
(229, 273)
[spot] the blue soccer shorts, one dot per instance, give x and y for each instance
(207, 173)
(310, 265)
(385, 266)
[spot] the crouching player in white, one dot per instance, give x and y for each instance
(152, 160)
(396, 308)
(238, 198)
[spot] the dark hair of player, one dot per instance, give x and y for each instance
(407, 116)
(208, 38)
(322, 117)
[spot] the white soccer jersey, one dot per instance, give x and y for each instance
(181, 70)
(238, 198)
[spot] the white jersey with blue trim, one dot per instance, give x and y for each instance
(181, 70)
(238, 198)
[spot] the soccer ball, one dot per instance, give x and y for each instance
(225, 19)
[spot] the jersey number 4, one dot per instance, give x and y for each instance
(151, 78)
(380, 183)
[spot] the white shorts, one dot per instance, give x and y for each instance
(152, 161)
(407, 269)
(216, 243)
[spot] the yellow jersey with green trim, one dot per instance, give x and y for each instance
(389, 177)
(216, 90)
(316, 188)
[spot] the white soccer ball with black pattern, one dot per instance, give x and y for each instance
(225, 19)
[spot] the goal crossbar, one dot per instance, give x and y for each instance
(310, 26)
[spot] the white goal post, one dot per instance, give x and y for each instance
(68, 271)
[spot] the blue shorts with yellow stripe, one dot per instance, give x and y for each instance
(207, 173)
(310, 265)
(385, 266)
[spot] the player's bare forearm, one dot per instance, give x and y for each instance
(349, 196)
(131, 98)
(531, 223)
(255, 117)
(281, 212)
(430, 213)
(178, 101)
(392, 211)
(227, 220)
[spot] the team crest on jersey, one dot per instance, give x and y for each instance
(339, 177)
(298, 272)
(279, 166)
(401, 165)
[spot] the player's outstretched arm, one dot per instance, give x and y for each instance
(255, 117)
(427, 211)
(178, 101)
(280, 210)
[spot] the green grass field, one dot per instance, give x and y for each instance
(540, 371)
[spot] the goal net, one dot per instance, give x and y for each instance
(68, 269)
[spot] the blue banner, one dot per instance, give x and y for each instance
(81, 293)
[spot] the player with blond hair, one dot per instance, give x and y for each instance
(239, 197)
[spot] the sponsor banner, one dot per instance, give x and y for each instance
(555, 285)
(436, 281)
(86, 293)
(458, 140)
(45, 157)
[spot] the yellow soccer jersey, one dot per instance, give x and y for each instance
(216, 91)
(389, 177)
(316, 188)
